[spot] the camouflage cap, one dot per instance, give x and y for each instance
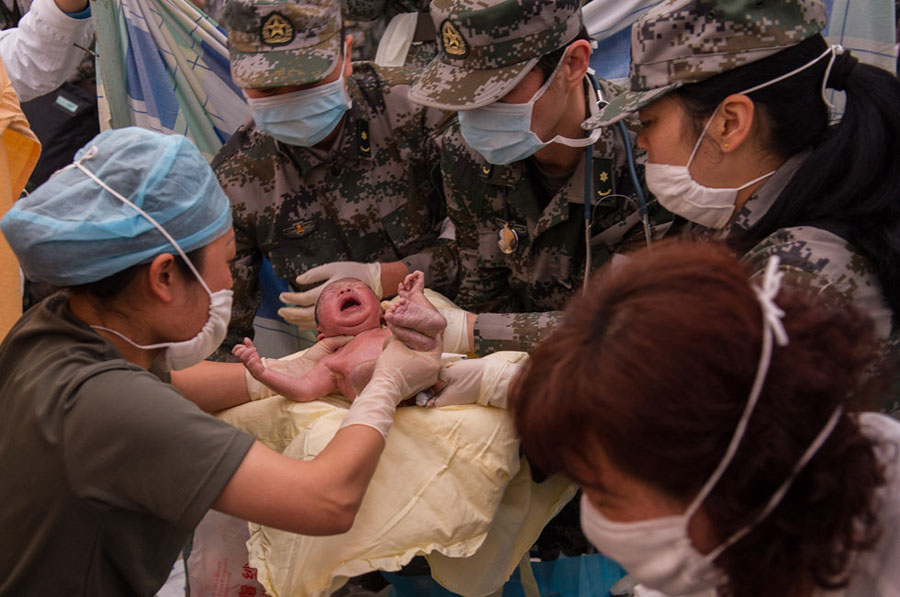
(487, 46)
(273, 44)
(686, 41)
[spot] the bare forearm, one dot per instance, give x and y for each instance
(318, 497)
(317, 383)
(213, 386)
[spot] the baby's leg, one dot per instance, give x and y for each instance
(315, 384)
(412, 318)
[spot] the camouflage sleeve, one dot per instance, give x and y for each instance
(513, 331)
(827, 266)
(247, 298)
(439, 264)
(417, 136)
(245, 270)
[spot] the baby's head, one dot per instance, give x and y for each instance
(347, 307)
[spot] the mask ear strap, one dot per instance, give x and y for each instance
(700, 138)
(820, 439)
(773, 330)
(836, 50)
(546, 84)
(833, 50)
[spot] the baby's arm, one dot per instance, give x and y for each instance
(316, 383)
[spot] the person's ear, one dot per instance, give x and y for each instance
(734, 122)
(161, 277)
(577, 61)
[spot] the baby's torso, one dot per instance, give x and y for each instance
(352, 365)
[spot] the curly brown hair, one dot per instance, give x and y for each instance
(655, 364)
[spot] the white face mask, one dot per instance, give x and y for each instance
(185, 353)
(712, 207)
(182, 354)
(679, 193)
(502, 133)
(658, 552)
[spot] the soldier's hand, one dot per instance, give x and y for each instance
(303, 313)
(483, 381)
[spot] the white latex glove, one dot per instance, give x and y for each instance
(400, 373)
(482, 381)
(296, 367)
(456, 334)
(303, 315)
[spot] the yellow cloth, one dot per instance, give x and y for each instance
(450, 485)
(19, 151)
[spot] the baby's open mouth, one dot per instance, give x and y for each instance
(349, 302)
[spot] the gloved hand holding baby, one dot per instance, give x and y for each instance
(348, 317)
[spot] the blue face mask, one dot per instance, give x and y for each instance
(502, 134)
(304, 117)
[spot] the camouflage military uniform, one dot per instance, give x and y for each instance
(674, 44)
(518, 295)
(486, 49)
(369, 199)
(678, 43)
(816, 259)
(811, 257)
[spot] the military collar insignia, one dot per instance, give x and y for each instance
(604, 184)
(363, 143)
(452, 41)
(276, 30)
(299, 229)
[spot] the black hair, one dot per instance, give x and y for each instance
(548, 62)
(112, 286)
(849, 183)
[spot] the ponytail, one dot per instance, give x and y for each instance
(853, 176)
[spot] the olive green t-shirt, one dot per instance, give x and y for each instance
(104, 468)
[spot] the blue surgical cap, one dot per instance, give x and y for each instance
(71, 231)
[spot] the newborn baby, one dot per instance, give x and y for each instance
(348, 307)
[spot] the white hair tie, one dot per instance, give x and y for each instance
(766, 293)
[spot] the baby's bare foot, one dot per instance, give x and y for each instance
(413, 319)
(412, 284)
(413, 315)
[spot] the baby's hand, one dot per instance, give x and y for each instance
(250, 357)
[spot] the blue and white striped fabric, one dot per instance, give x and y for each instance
(866, 27)
(163, 65)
